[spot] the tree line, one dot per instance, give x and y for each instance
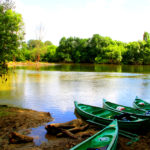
(97, 49)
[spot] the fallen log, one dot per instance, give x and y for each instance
(67, 128)
(71, 132)
(16, 138)
(55, 128)
(69, 124)
(78, 129)
(67, 133)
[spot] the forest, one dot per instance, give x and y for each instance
(97, 49)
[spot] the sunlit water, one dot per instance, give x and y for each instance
(54, 88)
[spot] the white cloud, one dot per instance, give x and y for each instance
(118, 19)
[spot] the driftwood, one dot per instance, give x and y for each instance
(78, 129)
(16, 138)
(67, 129)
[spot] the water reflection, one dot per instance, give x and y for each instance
(90, 68)
(54, 88)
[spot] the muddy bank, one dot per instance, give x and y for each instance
(21, 120)
(13, 119)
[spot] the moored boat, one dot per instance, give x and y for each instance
(141, 104)
(105, 139)
(125, 109)
(105, 116)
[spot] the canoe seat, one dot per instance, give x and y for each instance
(97, 112)
(100, 148)
(124, 116)
(103, 114)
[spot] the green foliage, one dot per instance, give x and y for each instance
(146, 36)
(133, 55)
(11, 33)
(2, 114)
(4, 111)
(48, 43)
(34, 44)
(100, 49)
(97, 49)
(50, 55)
(3, 69)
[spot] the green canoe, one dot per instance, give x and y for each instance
(141, 104)
(105, 139)
(105, 116)
(125, 109)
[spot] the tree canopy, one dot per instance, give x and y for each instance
(11, 30)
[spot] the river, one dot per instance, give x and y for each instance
(54, 88)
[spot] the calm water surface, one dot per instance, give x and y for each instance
(54, 88)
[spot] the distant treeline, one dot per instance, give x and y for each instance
(98, 49)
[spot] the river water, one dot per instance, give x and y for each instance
(54, 88)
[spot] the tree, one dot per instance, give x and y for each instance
(8, 4)
(50, 55)
(39, 46)
(48, 43)
(97, 45)
(64, 49)
(133, 53)
(146, 36)
(34, 43)
(11, 30)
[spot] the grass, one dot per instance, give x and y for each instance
(4, 112)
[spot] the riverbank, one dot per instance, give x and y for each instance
(13, 119)
(29, 63)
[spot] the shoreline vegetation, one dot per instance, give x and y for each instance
(97, 49)
(20, 121)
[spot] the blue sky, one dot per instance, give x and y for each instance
(124, 20)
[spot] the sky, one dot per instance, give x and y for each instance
(122, 20)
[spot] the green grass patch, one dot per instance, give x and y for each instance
(4, 111)
(2, 114)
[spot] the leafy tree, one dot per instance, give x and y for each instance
(81, 53)
(8, 4)
(34, 43)
(47, 43)
(97, 45)
(133, 53)
(64, 50)
(112, 54)
(36, 46)
(146, 56)
(11, 31)
(50, 55)
(146, 36)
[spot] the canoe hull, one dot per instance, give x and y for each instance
(144, 107)
(125, 109)
(109, 135)
(125, 125)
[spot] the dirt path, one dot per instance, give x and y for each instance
(17, 119)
